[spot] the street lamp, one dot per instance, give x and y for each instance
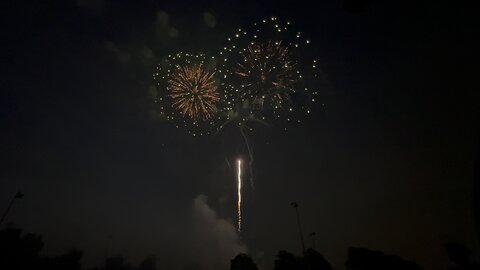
(19, 195)
(312, 236)
(295, 205)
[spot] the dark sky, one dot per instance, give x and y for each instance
(386, 163)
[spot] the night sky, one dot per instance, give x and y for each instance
(386, 161)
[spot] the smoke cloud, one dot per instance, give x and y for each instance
(217, 239)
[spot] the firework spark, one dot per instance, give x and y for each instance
(194, 92)
(239, 193)
(267, 72)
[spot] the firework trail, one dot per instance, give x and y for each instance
(239, 193)
(250, 154)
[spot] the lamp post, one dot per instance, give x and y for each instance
(295, 205)
(312, 236)
(19, 195)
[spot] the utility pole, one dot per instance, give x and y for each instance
(19, 195)
(295, 205)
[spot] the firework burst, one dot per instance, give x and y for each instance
(194, 92)
(189, 93)
(267, 73)
(271, 73)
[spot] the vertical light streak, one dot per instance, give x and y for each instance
(239, 193)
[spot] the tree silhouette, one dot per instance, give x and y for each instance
(19, 251)
(242, 262)
(149, 263)
(67, 261)
(315, 261)
(312, 260)
(460, 256)
(117, 263)
(363, 259)
(285, 261)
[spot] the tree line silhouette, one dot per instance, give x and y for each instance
(20, 251)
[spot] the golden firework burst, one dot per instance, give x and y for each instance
(267, 72)
(194, 92)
